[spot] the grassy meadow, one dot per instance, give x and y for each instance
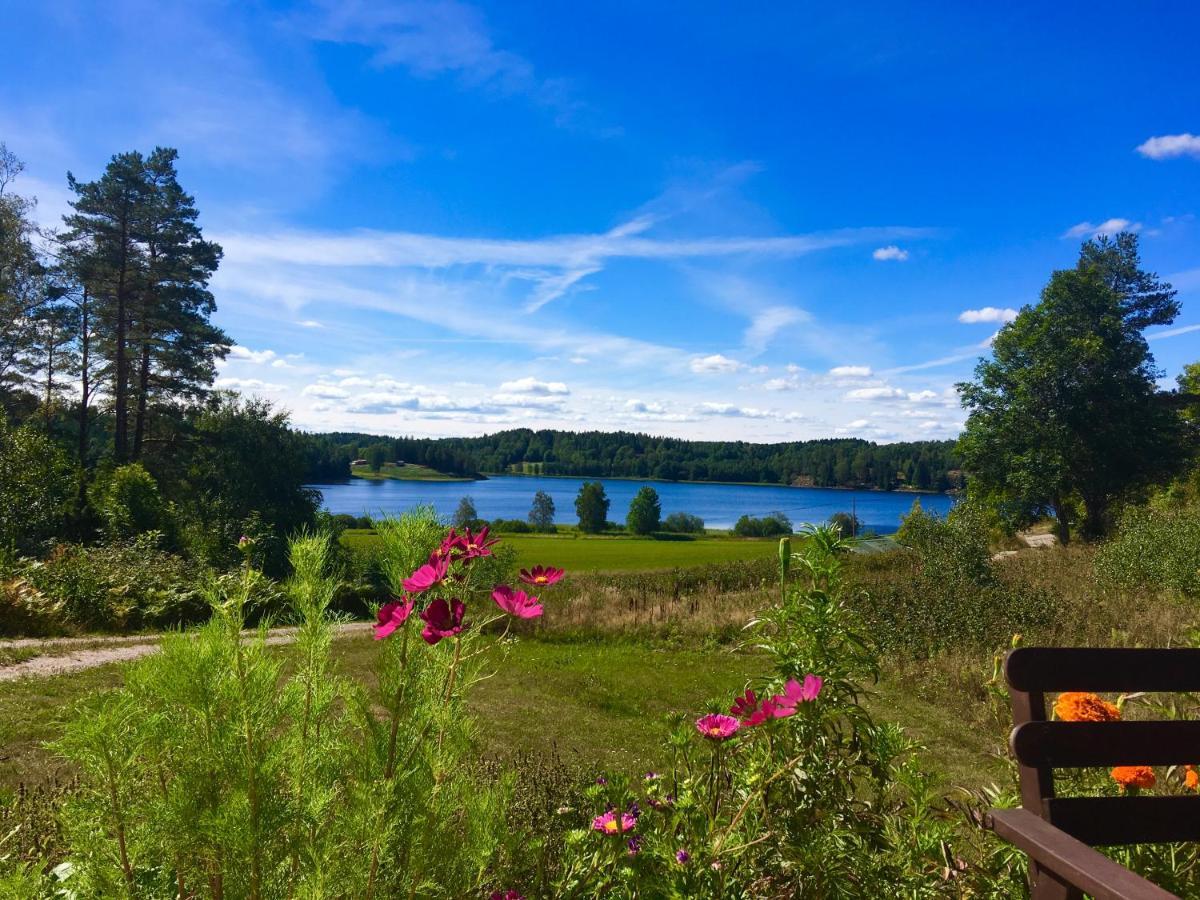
(614, 553)
(406, 472)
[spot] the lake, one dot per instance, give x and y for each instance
(719, 505)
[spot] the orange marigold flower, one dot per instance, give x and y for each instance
(1134, 776)
(1191, 780)
(1080, 706)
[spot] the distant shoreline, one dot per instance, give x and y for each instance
(919, 491)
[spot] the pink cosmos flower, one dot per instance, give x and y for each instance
(717, 727)
(391, 616)
(443, 620)
(613, 822)
(794, 692)
(426, 576)
(475, 545)
(446, 550)
(744, 705)
(516, 603)
(542, 576)
(506, 895)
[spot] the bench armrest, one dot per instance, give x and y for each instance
(1072, 861)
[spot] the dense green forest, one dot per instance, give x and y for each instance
(835, 462)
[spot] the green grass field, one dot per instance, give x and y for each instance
(616, 553)
(595, 705)
(407, 472)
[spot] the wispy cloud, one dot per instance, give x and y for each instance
(1171, 146)
(1173, 332)
(716, 363)
(769, 322)
(987, 314)
(430, 38)
(1107, 227)
(850, 371)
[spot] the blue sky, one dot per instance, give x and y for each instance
(752, 221)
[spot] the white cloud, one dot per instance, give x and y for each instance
(247, 384)
(310, 323)
(874, 393)
(987, 314)
(1107, 227)
(715, 363)
(641, 406)
(730, 410)
(325, 392)
(1169, 146)
(766, 324)
(530, 385)
(1173, 332)
(890, 252)
(257, 357)
(850, 371)
(781, 384)
(553, 265)
(579, 360)
(919, 396)
(856, 424)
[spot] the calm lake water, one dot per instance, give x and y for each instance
(719, 505)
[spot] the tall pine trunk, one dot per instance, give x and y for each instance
(84, 398)
(143, 389)
(121, 363)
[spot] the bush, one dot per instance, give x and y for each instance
(127, 585)
(512, 526)
(35, 485)
(770, 525)
(645, 512)
(847, 524)
(944, 591)
(683, 523)
(1154, 548)
(128, 503)
(225, 767)
(795, 793)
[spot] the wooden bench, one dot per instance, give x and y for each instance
(1058, 833)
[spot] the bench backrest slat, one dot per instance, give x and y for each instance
(1115, 821)
(1103, 670)
(1078, 744)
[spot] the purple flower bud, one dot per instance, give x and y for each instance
(682, 856)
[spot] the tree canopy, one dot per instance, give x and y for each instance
(591, 505)
(1065, 417)
(645, 512)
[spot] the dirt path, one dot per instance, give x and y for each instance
(57, 656)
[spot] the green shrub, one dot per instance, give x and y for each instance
(35, 486)
(815, 802)
(128, 503)
(127, 585)
(511, 526)
(1154, 548)
(683, 523)
(770, 525)
(943, 590)
(223, 768)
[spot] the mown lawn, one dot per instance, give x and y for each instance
(595, 705)
(407, 472)
(614, 553)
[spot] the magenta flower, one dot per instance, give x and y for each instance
(426, 576)
(744, 705)
(506, 895)
(450, 543)
(768, 709)
(475, 545)
(443, 620)
(717, 727)
(391, 616)
(613, 822)
(794, 692)
(542, 576)
(516, 603)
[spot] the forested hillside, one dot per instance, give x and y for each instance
(841, 462)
